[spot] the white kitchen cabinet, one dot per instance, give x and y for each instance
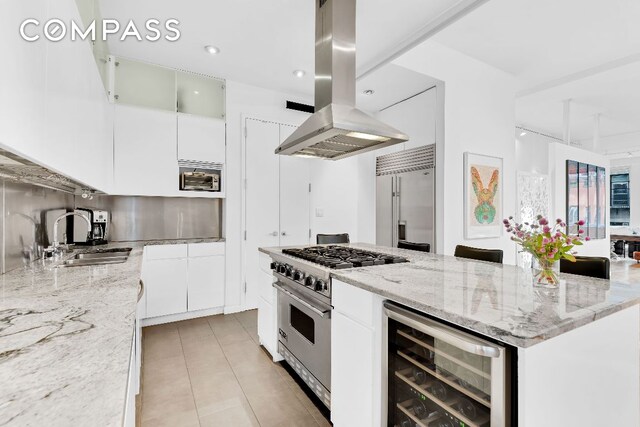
(166, 286)
(132, 384)
(55, 110)
(356, 350)
(200, 95)
(206, 282)
(144, 85)
(201, 139)
(352, 347)
(145, 161)
(183, 279)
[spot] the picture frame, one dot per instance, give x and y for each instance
(483, 196)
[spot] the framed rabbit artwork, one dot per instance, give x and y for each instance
(482, 196)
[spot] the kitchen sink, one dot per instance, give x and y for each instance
(98, 257)
(101, 255)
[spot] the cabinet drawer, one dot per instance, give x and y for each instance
(206, 249)
(165, 251)
(355, 303)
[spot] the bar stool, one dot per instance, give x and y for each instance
(586, 266)
(327, 239)
(421, 247)
(480, 254)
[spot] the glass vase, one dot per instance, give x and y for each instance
(545, 272)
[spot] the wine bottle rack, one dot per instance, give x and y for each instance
(446, 355)
(448, 405)
(445, 380)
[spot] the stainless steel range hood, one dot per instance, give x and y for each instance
(337, 129)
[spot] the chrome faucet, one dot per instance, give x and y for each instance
(55, 246)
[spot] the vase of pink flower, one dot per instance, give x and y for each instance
(547, 243)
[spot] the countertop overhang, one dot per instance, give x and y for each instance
(494, 300)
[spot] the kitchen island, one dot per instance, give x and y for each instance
(576, 349)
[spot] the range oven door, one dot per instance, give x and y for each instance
(304, 330)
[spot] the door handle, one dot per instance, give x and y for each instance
(274, 233)
(319, 311)
(448, 335)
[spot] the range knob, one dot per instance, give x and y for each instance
(282, 268)
(289, 271)
(274, 265)
(319, 285)
(297, 275)
(310, 281)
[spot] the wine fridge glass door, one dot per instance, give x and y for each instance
(441, 377)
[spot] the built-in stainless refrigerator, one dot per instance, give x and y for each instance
(405, 197)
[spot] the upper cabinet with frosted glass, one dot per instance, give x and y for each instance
(152, 86)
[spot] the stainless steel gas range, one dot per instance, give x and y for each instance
(303, 281)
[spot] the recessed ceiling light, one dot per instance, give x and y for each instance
(299, 73)
(212, 49)
(523, 133)
(369, 92)
(195, 92)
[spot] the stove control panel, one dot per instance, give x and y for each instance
(304, 279)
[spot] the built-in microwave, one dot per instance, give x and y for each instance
(196, 176)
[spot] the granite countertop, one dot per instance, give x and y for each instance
(498, 301)
(65, 339)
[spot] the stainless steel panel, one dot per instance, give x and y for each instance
(157, 218)
(421, 158)
(28, 214)
(384, 210)
(416, 206)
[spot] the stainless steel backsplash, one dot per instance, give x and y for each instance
(28, 213)
(27, 218)
(156, 218)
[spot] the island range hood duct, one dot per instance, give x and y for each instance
(337, 129)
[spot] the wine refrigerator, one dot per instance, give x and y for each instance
(438, 376)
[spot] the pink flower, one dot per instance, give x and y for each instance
(558, 221)
(581, 222)
(543, 221)
(558, 235)
(546, 241)
(587, 238)
(581, 231)
(551, 255)
(569, 240)
(541, 250)
(546, 229)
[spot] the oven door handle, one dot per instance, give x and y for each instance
(320, 312)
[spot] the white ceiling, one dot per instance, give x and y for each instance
(263, 42)
(584, 50)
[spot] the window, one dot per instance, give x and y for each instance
(620, 200)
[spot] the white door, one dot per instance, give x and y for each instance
(294, 196)
(165, 282)
(206, 282)
(261, 199)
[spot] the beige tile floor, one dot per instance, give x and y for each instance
(211, 371)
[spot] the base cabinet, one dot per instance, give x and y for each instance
(132, 385)
(183, 279)
(206, 283)
(166, 282)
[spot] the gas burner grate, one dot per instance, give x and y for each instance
(339, 257)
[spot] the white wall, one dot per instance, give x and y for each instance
(558, 155)
(532, 153)
(479, 108)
